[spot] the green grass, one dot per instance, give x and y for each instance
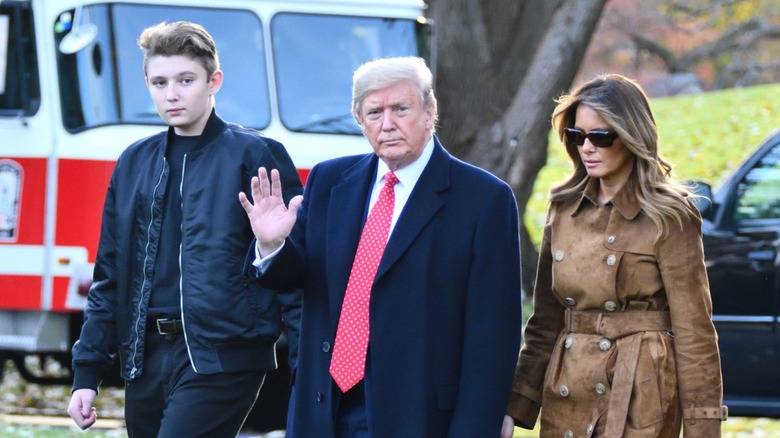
(704, 136)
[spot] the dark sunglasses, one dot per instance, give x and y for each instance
(600, 139)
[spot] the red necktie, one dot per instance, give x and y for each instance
(348, 363)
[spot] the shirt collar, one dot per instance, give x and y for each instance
(407, 175)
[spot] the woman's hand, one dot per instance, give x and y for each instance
(508, 428)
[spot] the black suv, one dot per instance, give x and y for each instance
(741, 244)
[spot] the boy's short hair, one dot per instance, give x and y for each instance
(180, 38)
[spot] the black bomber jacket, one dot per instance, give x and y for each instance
(230, 322)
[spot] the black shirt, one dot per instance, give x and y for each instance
(165, 300)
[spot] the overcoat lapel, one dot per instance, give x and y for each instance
(346, 215)
(422, 205)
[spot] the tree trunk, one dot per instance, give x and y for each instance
(500, 65)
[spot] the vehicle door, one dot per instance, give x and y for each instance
(25, 145)
(742, 260)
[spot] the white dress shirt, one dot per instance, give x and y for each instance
(407, 179)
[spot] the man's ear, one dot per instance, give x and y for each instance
(429, 118)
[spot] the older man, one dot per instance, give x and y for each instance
(410, 264)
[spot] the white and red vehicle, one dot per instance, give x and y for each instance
(72, 97)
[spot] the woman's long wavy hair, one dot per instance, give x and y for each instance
(623, 105)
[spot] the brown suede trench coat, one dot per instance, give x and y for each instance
(621, 342)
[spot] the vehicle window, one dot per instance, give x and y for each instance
(315, 56)
(19, 85)
(103, 82)
(758, 194)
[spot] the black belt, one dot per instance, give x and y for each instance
(167, 326)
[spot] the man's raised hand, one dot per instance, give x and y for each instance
(271, 220)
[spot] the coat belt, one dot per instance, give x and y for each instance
(617, 325)
(628, 327)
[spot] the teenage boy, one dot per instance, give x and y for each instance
(195, 337)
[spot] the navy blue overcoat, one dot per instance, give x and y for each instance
(445, 312)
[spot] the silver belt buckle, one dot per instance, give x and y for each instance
(159, 328)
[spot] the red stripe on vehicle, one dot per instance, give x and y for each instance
(81, 194)
(15, 291)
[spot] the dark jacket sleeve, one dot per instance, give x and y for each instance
(283, 272)
(494, 294)
(95, 350)
(278, 158)
(291, 298)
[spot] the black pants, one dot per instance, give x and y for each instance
(170, 400)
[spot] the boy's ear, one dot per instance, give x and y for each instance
(215, 83)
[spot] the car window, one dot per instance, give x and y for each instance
(758, 194)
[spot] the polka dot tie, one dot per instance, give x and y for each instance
(348, 363)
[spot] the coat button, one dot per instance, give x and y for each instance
(567, 343)
(611, 260)
(601, 389)
(564, 390)
(611, 239)
(569, 301)
(589, 430)
(610, 306)
(559, 255)
(604, 344)
(326, 347)
(568, 434)
(319, 397)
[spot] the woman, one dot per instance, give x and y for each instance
(621, 343)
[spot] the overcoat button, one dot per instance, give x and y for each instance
(604, 344)
(611, 239)
(610, 306)
(319, 397)
(569, 301)
(589, 430)
(611, 260)
(568, 434)
(568, 342)
(559, 255)
(564, 391)
(326, 347)
(601, 389)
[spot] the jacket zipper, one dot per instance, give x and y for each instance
(138, 336)
(181, 272)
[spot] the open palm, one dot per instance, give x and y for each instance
(271, 220)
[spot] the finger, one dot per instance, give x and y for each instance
(508, 428)
(245, 202)
(87, 409)
(276, 184)
(89, 420)
(295, 202)
(264, 186)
